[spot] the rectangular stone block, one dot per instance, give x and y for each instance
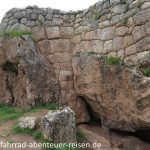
(130, 50)
(53, 32)
(62, 45)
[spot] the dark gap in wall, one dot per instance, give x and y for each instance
(95, 120)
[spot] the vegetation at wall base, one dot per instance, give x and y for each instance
(14, 33)
(8, 112)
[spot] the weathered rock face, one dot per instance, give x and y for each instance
(110, 27)
(119, 95)
(59, 126)
(27, 78)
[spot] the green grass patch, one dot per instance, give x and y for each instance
(146, 72)
(9, 112)
(32, 132)
(113, 60)
(97, 16)
(51, 106)
(80, 136)
(14, 33)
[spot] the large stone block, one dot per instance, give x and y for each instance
(117, 43)
(138, 33)
(147, 26)
(131, 50)
(108, 46)
(62, 45)
(142, 17)
(143, 44)
(46, 47)
(108, 33)
(60, 57)
(128, 40)
(66, 32)
(53, 32)
(96, 46)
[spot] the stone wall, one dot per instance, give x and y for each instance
(111, 27)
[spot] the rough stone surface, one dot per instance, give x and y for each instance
(59, 126)
(43, 70)
(28, 122)
(110, 89)
(30, 78)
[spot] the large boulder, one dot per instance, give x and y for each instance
(119, 96)
(27, 77)
(59, 126)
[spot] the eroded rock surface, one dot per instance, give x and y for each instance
(119, 95)
(27, 78)
(59, 126)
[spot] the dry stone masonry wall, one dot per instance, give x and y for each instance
(111, 27)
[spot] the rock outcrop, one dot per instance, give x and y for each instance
(59, 126)
(27, 78)
(49, 67)
(120, 96)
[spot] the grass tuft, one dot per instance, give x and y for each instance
(9, 112)
(113, 60)
(14, 33)
(97, 16)
(146, 72)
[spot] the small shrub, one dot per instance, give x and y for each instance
(14, 33)
(146, 72)
(111, 60)
(97, 15)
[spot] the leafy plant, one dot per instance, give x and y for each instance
(14, 33)
(113, 60)
(97, 15)
(146, 72)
